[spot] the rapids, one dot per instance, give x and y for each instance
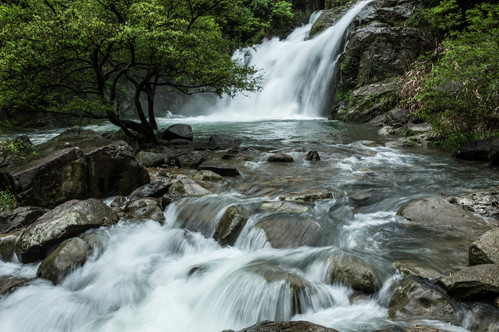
(175, 277)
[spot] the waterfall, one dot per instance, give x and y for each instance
(297, 74)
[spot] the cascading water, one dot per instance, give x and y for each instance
(176, 277)
(297, 74)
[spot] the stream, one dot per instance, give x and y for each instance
(176, 277)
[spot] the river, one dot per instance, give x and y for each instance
(175, 277)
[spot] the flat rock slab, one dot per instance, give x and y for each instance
(485, 250)
(479, 282)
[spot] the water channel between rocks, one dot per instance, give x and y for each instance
(175, 277)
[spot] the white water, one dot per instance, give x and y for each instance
(297, 75)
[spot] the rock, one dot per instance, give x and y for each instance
(230, 225)
(23, 148)
(477, 150)
(478, 282)
(494, 153)
(207, 175)
(17, 219)
(179, 141)
(420, 140)
(156, 188)
(64, 259)
(354, 272)
(312, 156)
(289, 230)
(76, 164)
(422, 328)
(280, 158)
(485, 203)
(437, 214)
(307, 196)
(295, 326)
(189, 160)
(359, 196)
(485, 250)
(416, 300)
(223, 141)
(150, 159)
(143, 209)
(192, 188)
(416, 269)
(63, 222)
(7, 246)
(283, 207)
(9, 284)
(177, 131)
(222, 170)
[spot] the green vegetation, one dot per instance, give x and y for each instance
(90, 58)
(456, 88)
(7, 200)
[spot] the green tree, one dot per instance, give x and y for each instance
(88, 57)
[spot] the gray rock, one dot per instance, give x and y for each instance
(439, 215)
(192, 188)
(9, 284)
(189, 160)
(477, 150)
(230, 225)
(485, 250)
(283, 207)
(289, 230)
(354, 272)
(312, 156)
(223, 141)
(416, 269)
(420, 140)
(307, 195)
(64, 259)
(63, 222)
(280, 158)
(17, 219)
(143, 209)
(220, 169)
(178, 131)
(478, 282)
(423, 328)
(485, 203)
(295, 326)
(76, 164)
(415, 300)
(7, 246)
(207, 175)
(156, 188)
(150, 159)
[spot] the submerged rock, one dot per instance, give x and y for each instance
(296, 326)
(65, 221)
(283, 207)
(230, 225)
(64, 259)
(354, 272)
(289, 230)
(17, 219)
(478, 282)
(307, 196)
(280, 158)
(192, 188)
(415, 300)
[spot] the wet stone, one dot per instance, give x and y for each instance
(280, 158)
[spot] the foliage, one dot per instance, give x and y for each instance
(459, 96)
(91, 57)
(7, 200)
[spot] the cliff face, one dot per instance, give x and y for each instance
(383, 41)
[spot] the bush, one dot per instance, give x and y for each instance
(7, 200)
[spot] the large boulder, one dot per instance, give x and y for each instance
(178, 131)
(478, 150)
(353, 271)
(230, 225)
(478, 282)
(17, 219)
(437, 214)
(64, 259)
(418, 300)
(485, 250)
(484, 203)
(296, 326)
(77, 164)
(63, 222)
(289, 230)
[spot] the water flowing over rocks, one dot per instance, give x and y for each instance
(416, 300)
(478, 282)
(9, 284)
(230, 225)
(67, 256)
(485, 250)
(193, 188)
(77, 164)
(63, 222)
(283, 207)
(298, 326)
(307, 195)
(17, 219)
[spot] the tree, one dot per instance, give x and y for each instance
(83, 57)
